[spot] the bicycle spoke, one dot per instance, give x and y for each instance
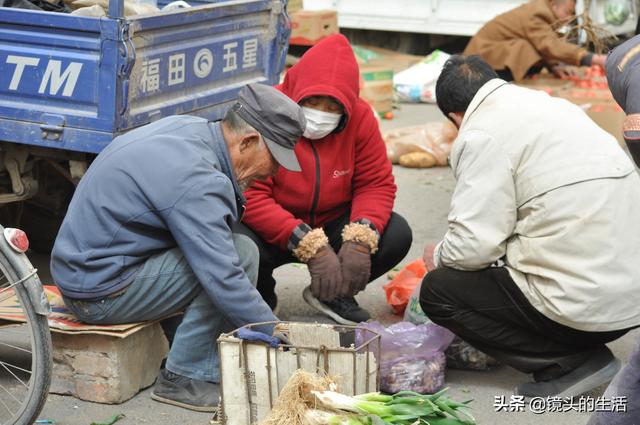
(11, 394)
(4, 279)
(15, 348)
(24, 344)
(14, 329)
(4, 365)
(5, 404)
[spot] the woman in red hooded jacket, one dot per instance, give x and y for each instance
(336, 214)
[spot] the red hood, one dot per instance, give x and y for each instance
(314, 75)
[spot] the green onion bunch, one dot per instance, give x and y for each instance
(404, 408)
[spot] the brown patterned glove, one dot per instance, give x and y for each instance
(326, 277)
(355, 260)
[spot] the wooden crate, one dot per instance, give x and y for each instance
(253, 374)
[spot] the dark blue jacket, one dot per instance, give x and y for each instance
(623, 76)
(167, 184)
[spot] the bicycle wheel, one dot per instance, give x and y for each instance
(25, 355)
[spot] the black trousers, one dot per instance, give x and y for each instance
(392, 248)
(487, 309)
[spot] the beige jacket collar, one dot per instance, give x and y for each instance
(485, 91)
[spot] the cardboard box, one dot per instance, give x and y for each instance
(377, 57)
(294, 6)
(376, 73)
(310, 26)
(379, 94)
(253, 373)
(377, 87)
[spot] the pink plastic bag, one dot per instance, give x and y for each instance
(412, 356)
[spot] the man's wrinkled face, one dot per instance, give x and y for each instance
(564, 10)
(255, 161)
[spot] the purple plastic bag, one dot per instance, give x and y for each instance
(411, 355)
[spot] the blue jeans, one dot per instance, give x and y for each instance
(166, 285)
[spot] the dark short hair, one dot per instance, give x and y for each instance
(460, 79)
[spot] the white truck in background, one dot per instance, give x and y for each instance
(446, 17)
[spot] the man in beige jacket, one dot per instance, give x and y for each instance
(539, 265)
(525, 39)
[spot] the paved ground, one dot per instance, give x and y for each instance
(423, 199)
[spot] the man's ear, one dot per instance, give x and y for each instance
(249, 140)
(457, 118)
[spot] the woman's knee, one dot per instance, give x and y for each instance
(400, 231)
(396, 240)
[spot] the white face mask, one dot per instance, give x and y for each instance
(319, 123)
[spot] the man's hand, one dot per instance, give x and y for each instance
(284, 339)
(427, 257)
(326, 277)
(273, 340)
(599, 60)
(355, 259)
(564, 72)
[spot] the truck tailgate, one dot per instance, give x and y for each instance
(74, 83)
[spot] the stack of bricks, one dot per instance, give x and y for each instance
(107, 369)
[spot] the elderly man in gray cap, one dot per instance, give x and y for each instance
(148, 233)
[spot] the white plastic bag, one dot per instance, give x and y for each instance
(413, 313)
(418, 83)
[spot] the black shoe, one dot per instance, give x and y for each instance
(599, 369)
(462, 355)
(345, 311)
(182, 391)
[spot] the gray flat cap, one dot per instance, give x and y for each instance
(277, 118)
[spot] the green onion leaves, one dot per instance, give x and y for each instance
(404, 408)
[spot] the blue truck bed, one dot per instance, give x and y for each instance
(74, 83)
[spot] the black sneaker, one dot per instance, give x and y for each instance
(345, 311)
(599, 369)
(185, 392)
(462, 355)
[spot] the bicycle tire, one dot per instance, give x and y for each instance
(42, 354)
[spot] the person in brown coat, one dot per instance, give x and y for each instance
(525, 39)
